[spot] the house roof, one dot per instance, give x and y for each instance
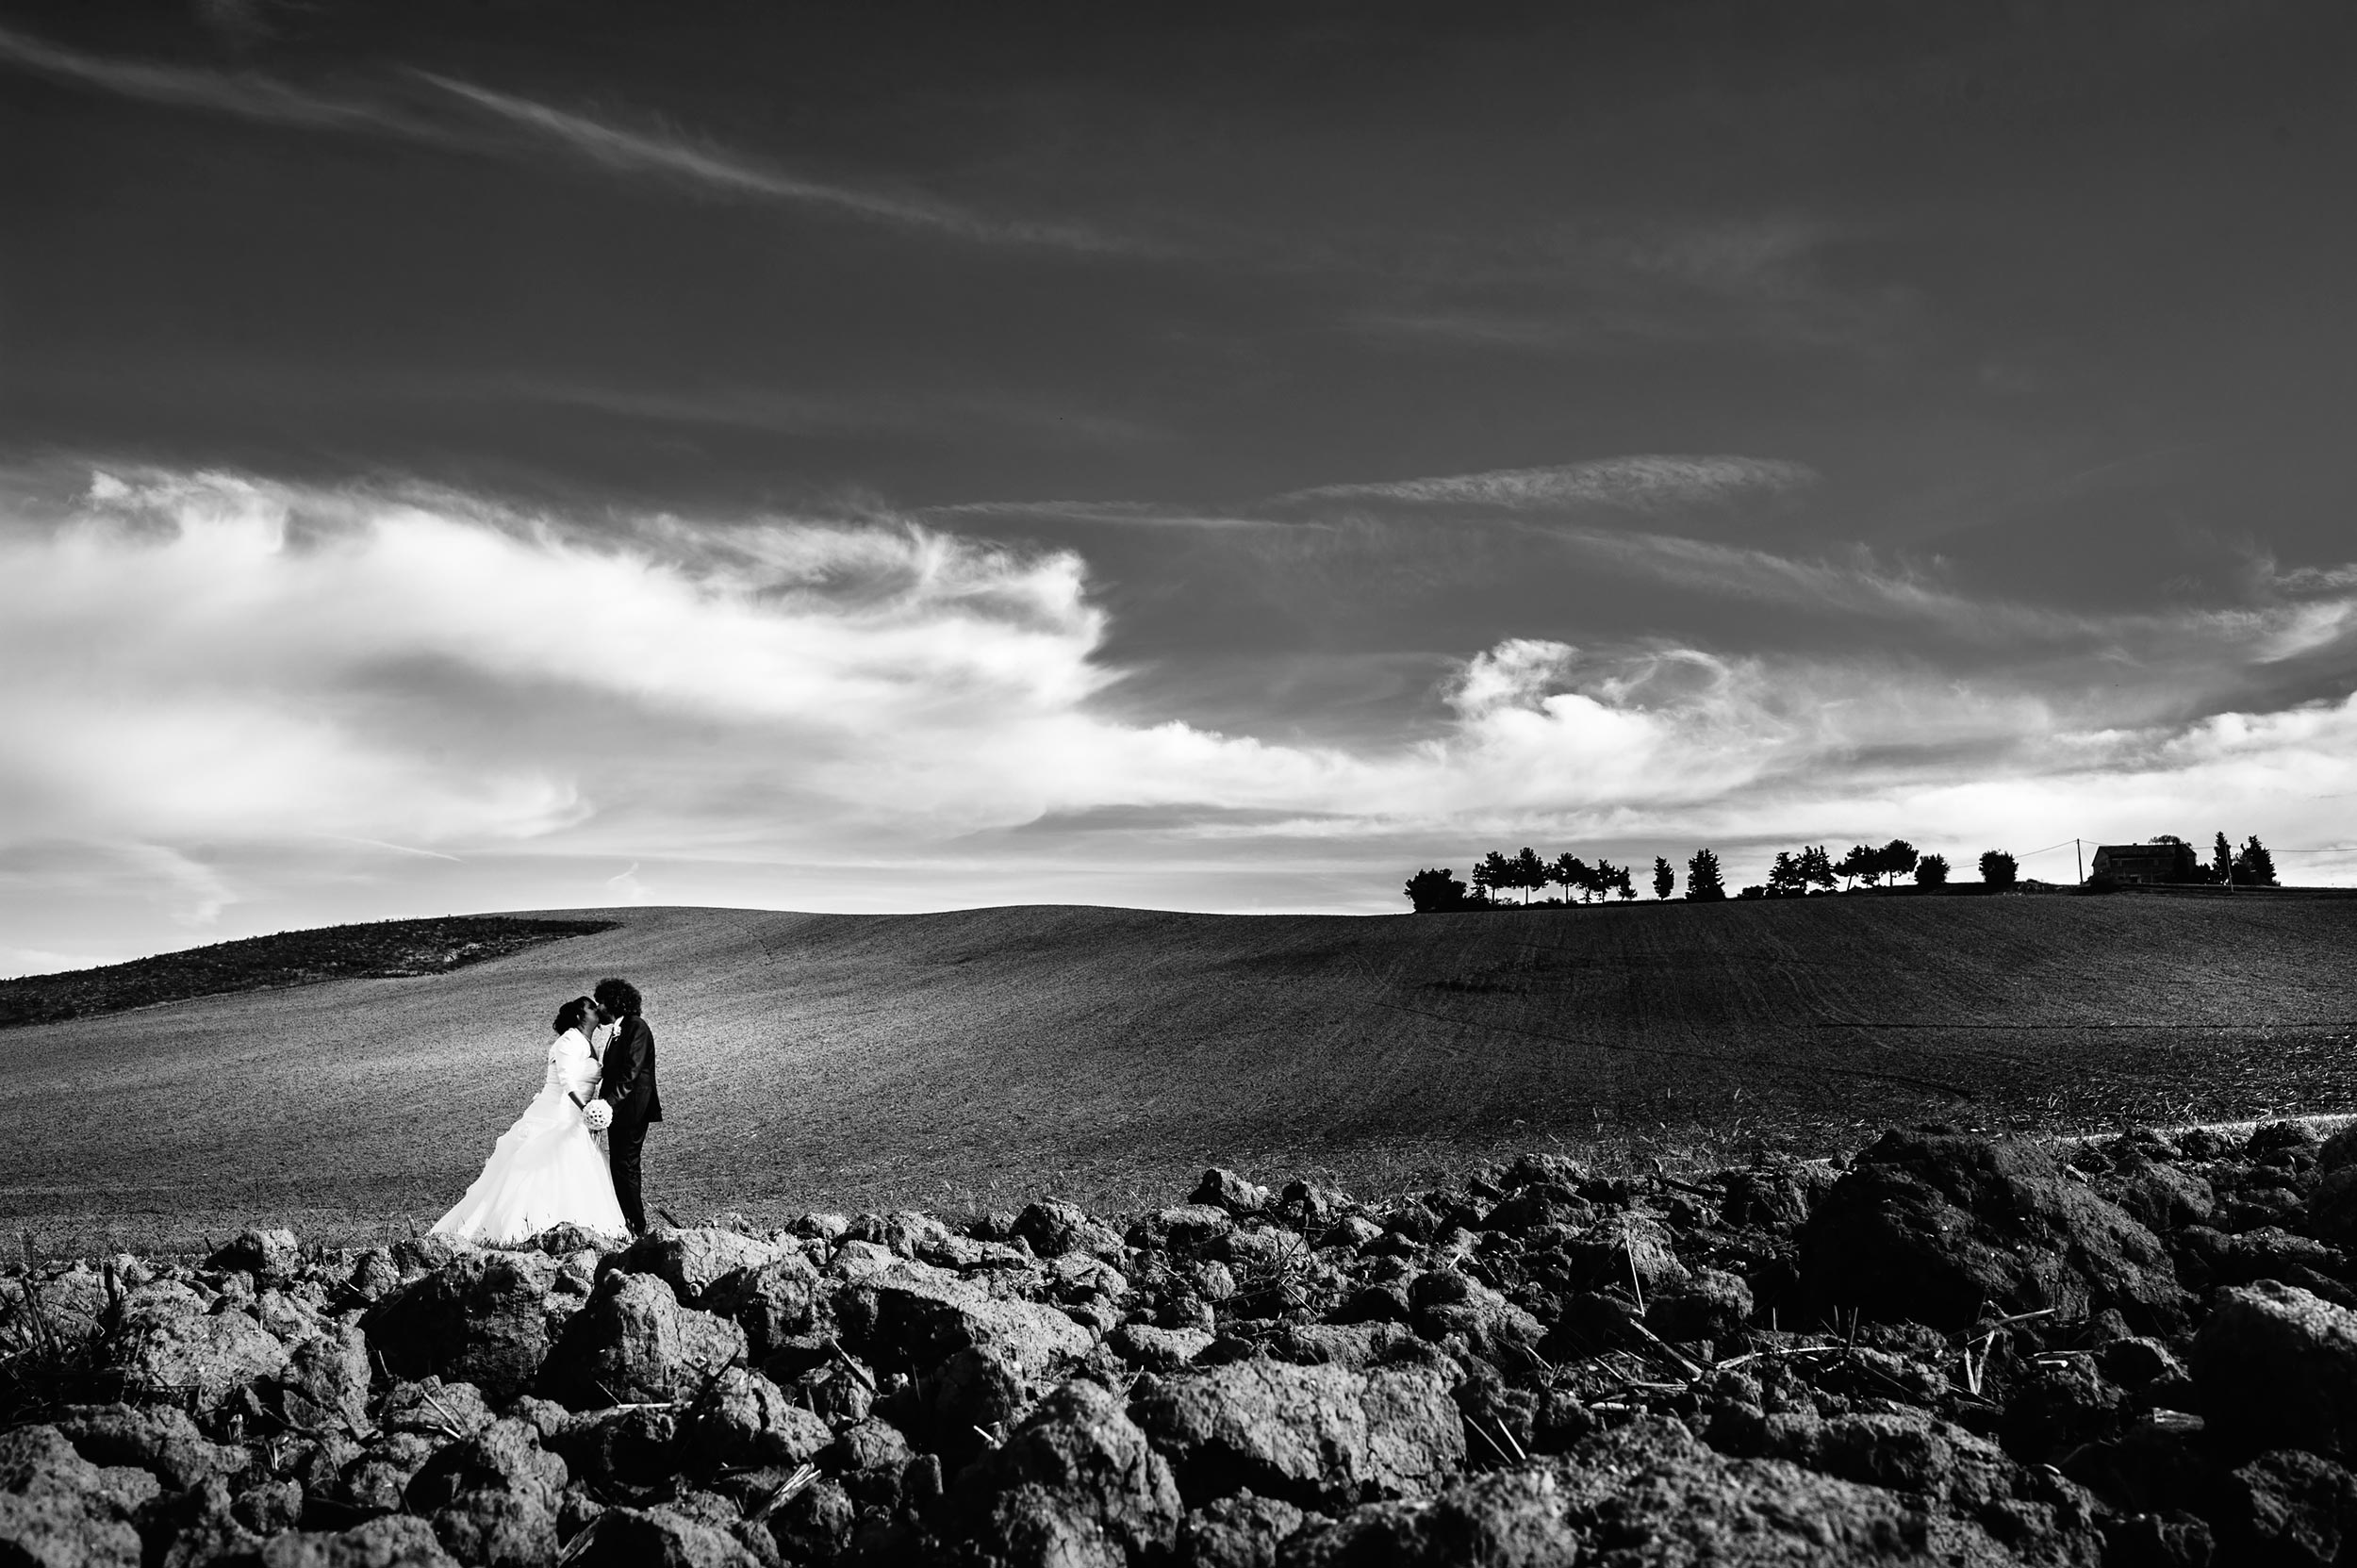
(2145, 855)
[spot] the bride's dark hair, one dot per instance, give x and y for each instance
(573, 1015)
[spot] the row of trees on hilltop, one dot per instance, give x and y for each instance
(1525, 873)
(1434, 890)
(1498, 876)
(1811, 869)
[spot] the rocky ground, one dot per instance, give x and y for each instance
(1947, 1350)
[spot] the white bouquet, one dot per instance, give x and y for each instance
(598, 1114)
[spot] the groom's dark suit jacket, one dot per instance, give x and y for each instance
(628, 1082)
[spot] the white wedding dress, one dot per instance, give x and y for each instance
(547, 1169)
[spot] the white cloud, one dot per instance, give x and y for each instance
(1642, 483)
(183, 890)
(208, 655)
(212, 679)
(2287, 776)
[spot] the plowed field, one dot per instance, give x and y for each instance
(979, 1057)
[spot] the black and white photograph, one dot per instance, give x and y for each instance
(1310, 785)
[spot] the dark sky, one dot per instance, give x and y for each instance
(1223, 456)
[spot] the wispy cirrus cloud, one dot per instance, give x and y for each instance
(676, 159)
(1114, 514)
(1644, 279)
(707, 167)
(2285, 614)
(944, 414)
(243, 94)
(2269, 637)
(1642, 483)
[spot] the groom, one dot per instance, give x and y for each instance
(628, 1085)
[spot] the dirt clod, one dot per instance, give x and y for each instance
(2138, 1351)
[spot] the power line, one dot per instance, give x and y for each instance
(2327, 849)
(2074, 843)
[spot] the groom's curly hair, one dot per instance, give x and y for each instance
(617, 997)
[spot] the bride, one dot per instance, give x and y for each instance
(547, 1169)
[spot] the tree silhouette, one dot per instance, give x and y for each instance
(1931, 872)
(1569, 872)
(1530, 873)
(1433, 891)
(1703, 883)
(2221, 860)
(1621, 883)
(1665, 882)
(2254, 866)
(1896, 859)
(1796, 871)
(1493, 875)
(1997, 868)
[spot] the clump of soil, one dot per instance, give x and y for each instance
(1946, 1349)
(385, 950)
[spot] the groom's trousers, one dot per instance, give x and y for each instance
(623, 1146)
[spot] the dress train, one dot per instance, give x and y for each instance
(547, 1168)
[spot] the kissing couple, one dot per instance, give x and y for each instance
(548, 1168)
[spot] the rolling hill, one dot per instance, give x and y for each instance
(980, 1057)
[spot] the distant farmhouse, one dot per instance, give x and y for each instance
(2134, 865)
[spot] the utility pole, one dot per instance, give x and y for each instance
(2077, 855)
